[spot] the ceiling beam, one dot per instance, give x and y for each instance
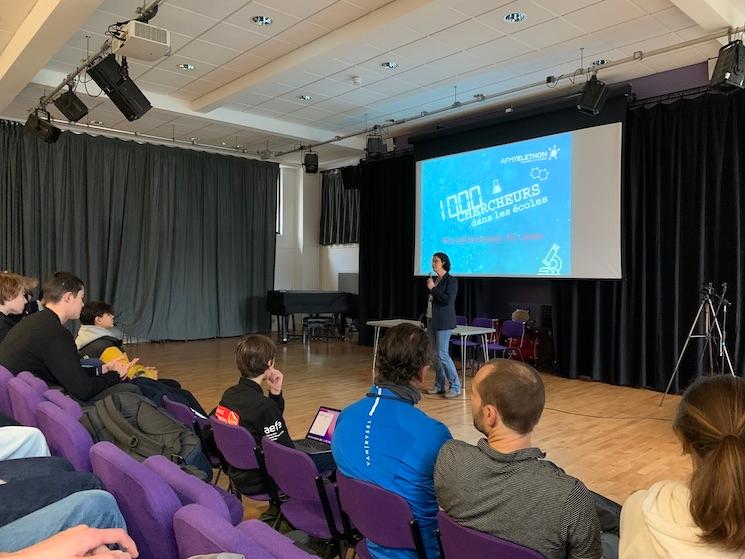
(40, 36)
(303, 133)
(350, 33)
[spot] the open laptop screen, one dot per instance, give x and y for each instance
(322, 428)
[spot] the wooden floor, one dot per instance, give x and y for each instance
(614, 439)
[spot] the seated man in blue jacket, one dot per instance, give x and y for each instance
(384, 439)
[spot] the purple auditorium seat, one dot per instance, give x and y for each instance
(312, 505)
(199, 532)
(238, 448)
(65, 435)
(24, 399)
(191, 490)
(33, 381)
(188, 417)
(459, 542)
(64, 402)
(5, 407)
(380, 515)
(146, 501)
(514, 331)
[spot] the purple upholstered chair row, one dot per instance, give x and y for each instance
(238, 448)
(5, 377)
(311, 504)
(188, 417)
(24, 399)
(459, 542)
(380, 515)
(150, 503)
(198, 533)
(65, 435)
(190, 489)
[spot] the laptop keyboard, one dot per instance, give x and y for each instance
(316, 445)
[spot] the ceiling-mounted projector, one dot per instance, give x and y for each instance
(141, 41)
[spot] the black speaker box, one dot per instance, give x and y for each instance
(729, 71)
(311, 162)
(123, 92)
(71, 106)
(593, 97)
(375, 147)
(41, 129)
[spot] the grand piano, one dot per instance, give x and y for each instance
(283, 303)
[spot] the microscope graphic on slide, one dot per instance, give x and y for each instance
(551, 262)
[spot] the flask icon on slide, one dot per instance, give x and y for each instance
(552, 263)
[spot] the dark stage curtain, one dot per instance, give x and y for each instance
(340, 210)
(684, 223)
(181, 242)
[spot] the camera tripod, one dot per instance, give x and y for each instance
(711, 324)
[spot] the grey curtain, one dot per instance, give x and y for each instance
(340, 211)
(180, 242)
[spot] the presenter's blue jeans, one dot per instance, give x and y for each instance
(444, 367)
(94, 508)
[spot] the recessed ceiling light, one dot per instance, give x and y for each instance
(389, 64)
(515, 17)
(96, 122)
(304, 97)
(223, 143)
(186, 66)
(262, 20)
(601, 62)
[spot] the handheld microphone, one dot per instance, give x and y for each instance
(430, 275)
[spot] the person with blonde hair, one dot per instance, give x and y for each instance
(704, 517)
(13, 291)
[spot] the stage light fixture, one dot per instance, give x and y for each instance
(71, 106)
(593, 97)
(729, 71)
(114, 80)
(375, 146)
(41, 127)
(311, 162)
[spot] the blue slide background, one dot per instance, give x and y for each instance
(513, 244)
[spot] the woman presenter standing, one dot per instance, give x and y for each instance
(443, 289)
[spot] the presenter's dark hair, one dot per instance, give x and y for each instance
(402, 353)
(92, 310)
(253, 355)
(710, 422)
(444, 258)
(60, 283)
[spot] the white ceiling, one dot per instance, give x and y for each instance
(247, 79)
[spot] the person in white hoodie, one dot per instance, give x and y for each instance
(705, 517)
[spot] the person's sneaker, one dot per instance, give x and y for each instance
(452, 394)
(434, 392)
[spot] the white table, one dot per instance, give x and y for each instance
(464, 332)
(390, 323)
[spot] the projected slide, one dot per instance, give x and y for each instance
(516, 197)
(529, 208)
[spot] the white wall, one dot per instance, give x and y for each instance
(336, 259)
(301, 263)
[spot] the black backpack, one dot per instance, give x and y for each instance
(141, 429)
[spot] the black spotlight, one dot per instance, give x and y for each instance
(114, 80)
(730, 69)
(71, 106)
(593, 97)
(311, 162)
(41, 128)
(375, 147)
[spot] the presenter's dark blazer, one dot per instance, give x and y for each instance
(443, 303)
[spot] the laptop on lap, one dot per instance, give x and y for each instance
(318, 439)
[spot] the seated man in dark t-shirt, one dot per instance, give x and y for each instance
(246, 405)
(503, 486)
(41, 344)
